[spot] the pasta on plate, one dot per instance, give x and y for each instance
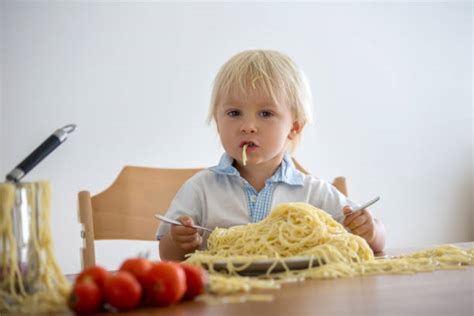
(299, 229)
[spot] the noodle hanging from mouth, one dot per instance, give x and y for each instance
(244, 154)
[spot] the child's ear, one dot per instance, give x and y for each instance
(295, 130)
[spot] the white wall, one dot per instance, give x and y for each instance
(392, 86)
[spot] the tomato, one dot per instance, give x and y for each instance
(138, 267)
(96, 274)
(122, 290)
(166, 283)
(86, 297)
(196, 280)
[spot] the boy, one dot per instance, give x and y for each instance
(260, 103)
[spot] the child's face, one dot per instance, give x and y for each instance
(255, 120)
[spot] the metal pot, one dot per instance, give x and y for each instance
(22, 214)
(27, 203)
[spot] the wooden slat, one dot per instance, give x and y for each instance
(123, 226)
(340, 184)
(125, 210)
(85, 216)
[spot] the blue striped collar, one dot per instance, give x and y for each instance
(286, 172)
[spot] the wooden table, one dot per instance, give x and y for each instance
(448, 292)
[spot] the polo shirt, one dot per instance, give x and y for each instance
(219, 197)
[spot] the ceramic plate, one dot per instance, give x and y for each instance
(261, 266)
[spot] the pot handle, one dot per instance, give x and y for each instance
(43, 150)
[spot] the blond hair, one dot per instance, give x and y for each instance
(272, 73)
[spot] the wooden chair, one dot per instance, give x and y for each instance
(125, 210)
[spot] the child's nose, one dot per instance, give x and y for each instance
(248, 127)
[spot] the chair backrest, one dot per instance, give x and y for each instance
(125, 209)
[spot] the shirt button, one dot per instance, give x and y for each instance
(253, 198)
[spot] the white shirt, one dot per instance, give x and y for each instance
(220, 197)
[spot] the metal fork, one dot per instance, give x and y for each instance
(174, 222)
(365, 205)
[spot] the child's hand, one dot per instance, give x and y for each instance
(185, 237)
(361, 223)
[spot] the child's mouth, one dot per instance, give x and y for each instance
(249, 144)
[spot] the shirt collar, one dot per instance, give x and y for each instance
(286, 172)
(225, 166)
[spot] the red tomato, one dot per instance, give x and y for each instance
(138, 267)
(196, 280)
(86, 297)
(122, 290)
(96, 274)
(166, 283)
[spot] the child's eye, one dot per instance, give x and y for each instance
(233, 113)
(266, 114)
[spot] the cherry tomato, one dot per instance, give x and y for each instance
(86, 297)
(166, 283)
(123, 291)
(196, 280)
(96, 274)
(138, 267)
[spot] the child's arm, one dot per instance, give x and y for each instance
(180, 240)
(363, 224)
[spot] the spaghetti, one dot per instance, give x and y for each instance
(244, 154)
(40, 286)
(299, 229)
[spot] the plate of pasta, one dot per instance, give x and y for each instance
(252, 266)
(248, 266)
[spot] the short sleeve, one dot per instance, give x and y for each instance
(332, 201)
(186, 202)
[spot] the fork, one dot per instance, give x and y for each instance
(174, 222)
(365, 205)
